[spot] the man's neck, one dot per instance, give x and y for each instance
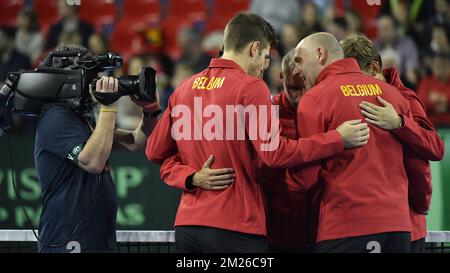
(237, 58)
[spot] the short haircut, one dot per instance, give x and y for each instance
(326, 41)
(245, 28)
(362, 49)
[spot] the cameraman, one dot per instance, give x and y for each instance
(71, 156)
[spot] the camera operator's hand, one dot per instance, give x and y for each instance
(95, 153)
(108, 85)
(148, 107)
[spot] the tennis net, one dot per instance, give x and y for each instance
(157, 241)
(128, 241)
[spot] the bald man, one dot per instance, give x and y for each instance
(364, 206)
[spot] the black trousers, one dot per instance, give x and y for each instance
(279, 249)
(418, 246)
(201, 239)
(390, 242)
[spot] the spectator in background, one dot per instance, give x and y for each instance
(273, 75)
(289, 37)
(69, 23)
(10, 59)
(442, 12)
(435, 90)
(212, 42)
(354, 22)
(405, 26)
(339, 28)
(277, 13)
(309, 23)
(98, 44)
(29, 40)
(164, 71)
(191, 53)
(182, 72)
(408, 56)
(329, 13)
(418, 11)
(439, 44)
(439, 41)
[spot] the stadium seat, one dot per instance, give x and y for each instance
(194, 10)
(222, 12)
(128, 39)
(9, 9)
(142, 10)
(47, 12)
(227, 9)
(369, 14)
(98, 13)
(217, 23)
(171, 27)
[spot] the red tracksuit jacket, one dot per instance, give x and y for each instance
(424, 144)
(287, 204)
(365, 190)
(240, 207)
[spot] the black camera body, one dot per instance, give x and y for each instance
(30, 91)
(37, 88)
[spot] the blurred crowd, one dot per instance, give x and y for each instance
(179, 37)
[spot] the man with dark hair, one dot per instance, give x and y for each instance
(71, 156)
(230, 216)
(418, 133)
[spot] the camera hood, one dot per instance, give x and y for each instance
(46, 85)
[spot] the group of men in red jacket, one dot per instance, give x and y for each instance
(332, 183)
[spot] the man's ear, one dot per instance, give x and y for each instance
(374, 68)
(254, 48)
(322, 55)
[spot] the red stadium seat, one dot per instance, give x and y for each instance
(171, 27)
(194, 10)
(217, 23)
(142, 10)
(98, 13)
(223, 11)
(369, 14)
(227, 9)
(9, 9)
(127, 38)
(47, 12)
